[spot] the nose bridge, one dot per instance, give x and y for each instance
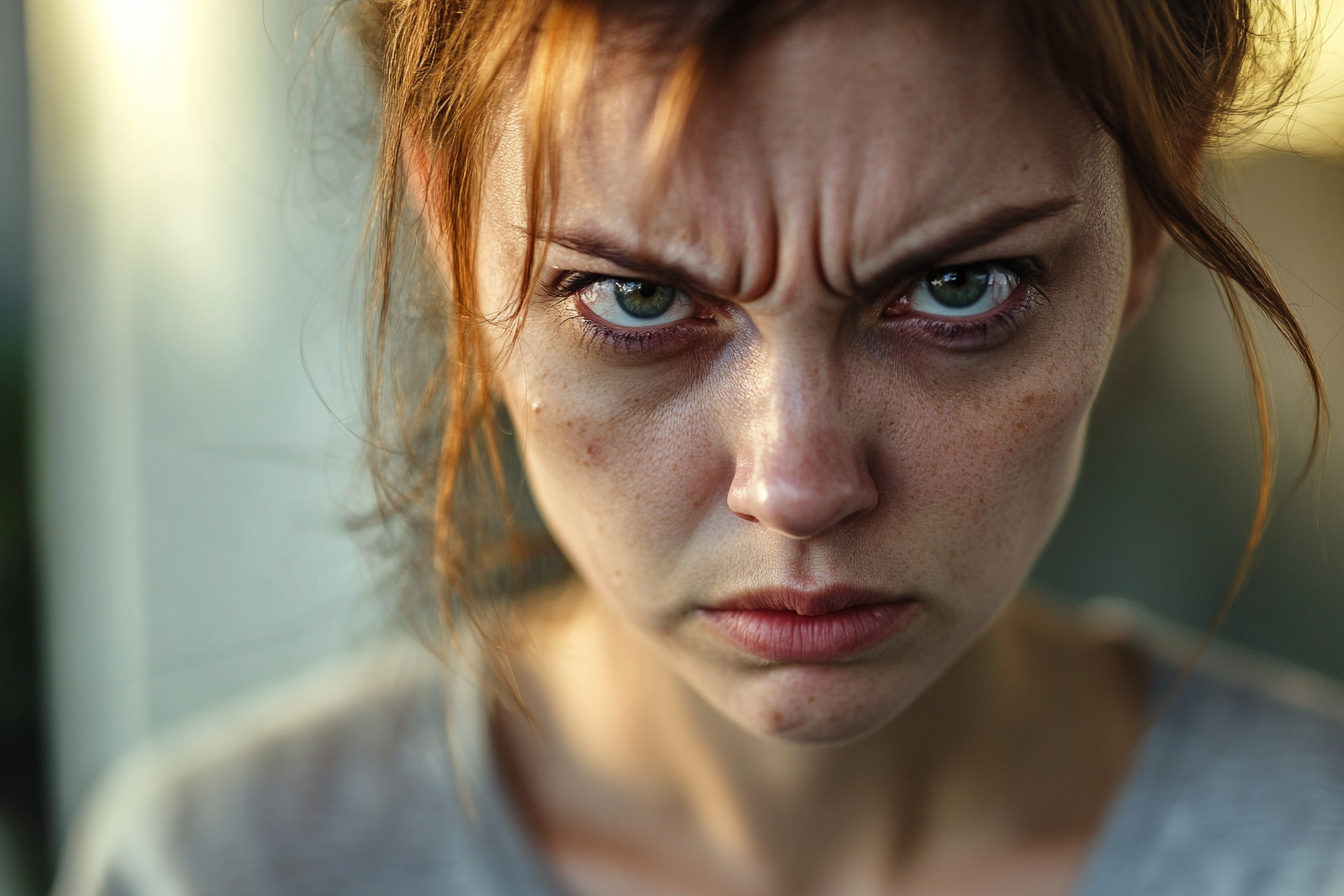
(801, 467)
(801, 413)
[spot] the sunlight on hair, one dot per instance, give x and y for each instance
(1314, 125)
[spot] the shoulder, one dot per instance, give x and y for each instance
(337, 783)
(1266, 740)
(1239, 788)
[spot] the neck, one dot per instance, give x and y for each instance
(626, 760)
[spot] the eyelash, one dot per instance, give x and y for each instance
(993, 330)
(567, 285)
(965, 334)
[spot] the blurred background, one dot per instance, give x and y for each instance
(180, 189)
(178, 223)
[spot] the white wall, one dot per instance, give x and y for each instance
(188, 264)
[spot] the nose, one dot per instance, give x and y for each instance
(801, 468)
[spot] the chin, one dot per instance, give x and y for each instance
(819, 705)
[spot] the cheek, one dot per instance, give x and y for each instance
(621, 479)
(983, 474)
(1001, 480)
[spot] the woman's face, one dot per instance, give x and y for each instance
(805, 413)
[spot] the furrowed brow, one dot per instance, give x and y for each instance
(984, 230)
(631, 259)
(981, 231)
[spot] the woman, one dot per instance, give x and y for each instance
(797, 312)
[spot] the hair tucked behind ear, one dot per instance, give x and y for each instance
(1166, 78)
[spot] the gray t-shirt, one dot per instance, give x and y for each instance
(351, 783)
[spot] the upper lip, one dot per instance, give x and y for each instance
(811, 602)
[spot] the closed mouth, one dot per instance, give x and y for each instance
(795, 626)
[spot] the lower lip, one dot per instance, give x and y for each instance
(782, 636)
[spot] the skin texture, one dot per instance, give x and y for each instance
(800, 432)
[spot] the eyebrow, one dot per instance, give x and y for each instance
(985, 229)
(612, 252)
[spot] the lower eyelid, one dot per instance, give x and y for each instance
(611, 332)
(991, 326)
(650, 339)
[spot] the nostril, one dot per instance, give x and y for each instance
(803, 504)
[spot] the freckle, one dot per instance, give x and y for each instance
(777, 717)
(594, 451)
(812, 698)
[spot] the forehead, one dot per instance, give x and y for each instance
(829, 145)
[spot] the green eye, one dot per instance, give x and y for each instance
(636, 303)
(642, 298)
(959, 287)
(963, 291)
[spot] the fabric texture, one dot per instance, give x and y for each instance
(347, 783)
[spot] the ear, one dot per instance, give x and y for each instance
(422, 194)
(1149, 242)
(415, 162)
